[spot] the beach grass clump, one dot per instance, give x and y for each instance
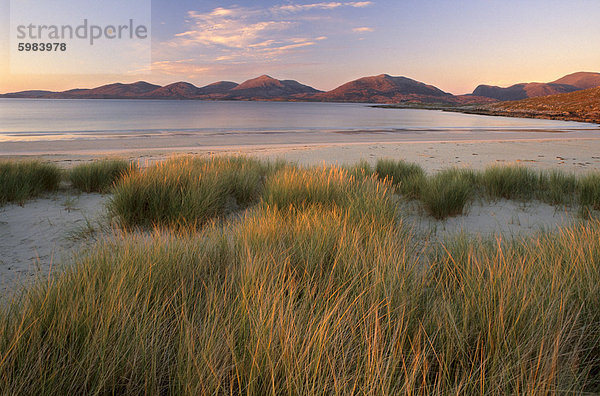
(589, 191)
(328, 187)
(408, 178)
(23, 180)
(283, 301)
(110, 324)
(99, 176)
(311, 302)
(512, 182)
(447, 193)
(187, 191)
(360, 170)
(561, 187)
(521, 316)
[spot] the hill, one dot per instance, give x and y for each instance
(28, 94)
(178, 90)
(581, 80)
(266, 87)
(522, 91)
(218, 88)
(570, 83)
(110, 91)
(385, 89)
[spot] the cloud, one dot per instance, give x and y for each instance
(218, 28)
(232, 34)
(231, 28)
(363, 29)
(321, 6)
(184, 66)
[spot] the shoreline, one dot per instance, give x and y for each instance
(528, 114)
(472, 109)
(566, 153)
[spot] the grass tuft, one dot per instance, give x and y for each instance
(561, 188)
(187, 191)
(329, 187)
(99, 176)
(447, 193)
(589, 191)
(512, 182)
(23, 180)
(408, 178)
(360, 170)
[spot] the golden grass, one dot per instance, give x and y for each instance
(300, 294)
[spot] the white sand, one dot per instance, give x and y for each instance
(39, 237)
(566, 153)
(508, 219)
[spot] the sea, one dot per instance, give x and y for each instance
(26, 120)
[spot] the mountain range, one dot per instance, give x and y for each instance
(374, 89)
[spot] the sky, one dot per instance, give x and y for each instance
(454, 45)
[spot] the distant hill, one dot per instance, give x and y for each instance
(582, 105)
(385, 89)
(266, 87)
(260, 88)
(570, 83)
(522, 91)
(581, 80)
(185, 90)
(110, 91)
(220, 87)
(28, 94)
(178, 90)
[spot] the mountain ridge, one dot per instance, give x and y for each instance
(569, 83)
(381, 89)
(384, 88)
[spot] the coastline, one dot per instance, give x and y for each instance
(487, 111)
(557, 151)
(557, 116)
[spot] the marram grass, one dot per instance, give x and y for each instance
(99, 176)
(329, 187)
(512, 182)
(187, 191)
(447, 193)
(589, 191)
(408, 178)
(301, 294)
(311, 302)
(23, 180)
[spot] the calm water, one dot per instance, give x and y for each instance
(30, 119)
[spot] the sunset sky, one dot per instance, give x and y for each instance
(454, 45)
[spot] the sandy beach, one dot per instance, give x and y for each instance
(56, 218)
(575, 150)
(40, 236)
